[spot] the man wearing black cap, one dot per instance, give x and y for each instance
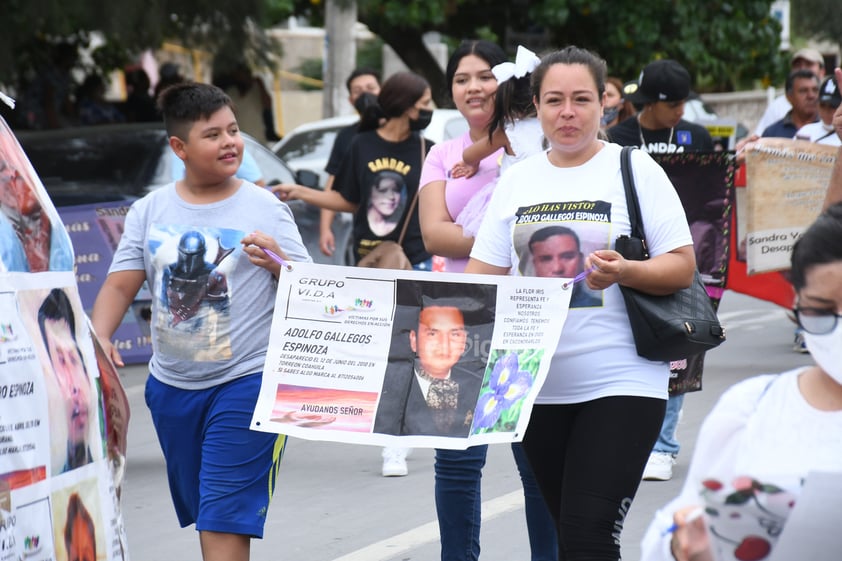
(662, 88)
(822, 131)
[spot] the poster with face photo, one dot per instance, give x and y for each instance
(704, 182)
(786, 185)
(553, 238)
(406, 358)
(60, 337)
(32, 237)
(386, 202)
(52, 421)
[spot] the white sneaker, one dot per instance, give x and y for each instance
(659, 467)
(394, 462)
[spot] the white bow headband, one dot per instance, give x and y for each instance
(525, 62)
(7, 100)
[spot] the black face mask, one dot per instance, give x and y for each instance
(423, 120)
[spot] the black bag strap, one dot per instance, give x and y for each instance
(631, 194)
(415, 198)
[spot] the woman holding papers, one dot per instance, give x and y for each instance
(600, 409)
(442, 197)
(766, 433)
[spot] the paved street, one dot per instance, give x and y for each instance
(331, 503)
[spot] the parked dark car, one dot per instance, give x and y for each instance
(93, 174)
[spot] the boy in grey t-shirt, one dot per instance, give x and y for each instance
(199, 244)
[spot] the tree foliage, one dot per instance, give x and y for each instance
(821, 19)
(725, 44)
(130, 26)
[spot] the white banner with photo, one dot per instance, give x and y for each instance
(417, 359)
(63, 412)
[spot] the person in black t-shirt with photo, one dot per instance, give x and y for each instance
(387, 144)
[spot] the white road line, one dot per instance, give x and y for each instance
(429, 532)
(737, 320)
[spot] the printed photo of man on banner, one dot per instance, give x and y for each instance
(59, 474)
(437, 357)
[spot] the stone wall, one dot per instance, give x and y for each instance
(746, 107)
(298, 107)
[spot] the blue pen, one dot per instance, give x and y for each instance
(580, 277)
(277, 258)
(694, 514)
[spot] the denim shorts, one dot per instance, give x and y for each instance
(221, 474)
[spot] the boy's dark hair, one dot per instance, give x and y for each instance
(184, 103)
(362, 71)
(512, 102)
(818, 245)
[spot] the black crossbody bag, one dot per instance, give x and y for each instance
(671, 327)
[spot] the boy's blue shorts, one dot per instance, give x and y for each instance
(221, 473)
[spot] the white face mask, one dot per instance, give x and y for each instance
(827, 351)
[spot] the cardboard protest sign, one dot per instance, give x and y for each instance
(786, 185)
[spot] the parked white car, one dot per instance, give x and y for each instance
(308, 146)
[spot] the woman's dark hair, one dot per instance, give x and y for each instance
(486, 50)
(400, 92)
(571, 55)
(818, 245)
(626, 107)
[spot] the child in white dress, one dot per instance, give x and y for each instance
(515, 128)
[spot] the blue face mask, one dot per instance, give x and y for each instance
(609, 114)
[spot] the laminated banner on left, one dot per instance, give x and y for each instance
(63, 412)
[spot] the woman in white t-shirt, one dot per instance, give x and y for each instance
(766, 433)
(441, 199)
(558, 213)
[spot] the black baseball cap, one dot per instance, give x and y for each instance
(829, 92)
(662, 80)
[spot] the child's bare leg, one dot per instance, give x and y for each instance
(217, 546)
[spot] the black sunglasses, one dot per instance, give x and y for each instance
(818, 321)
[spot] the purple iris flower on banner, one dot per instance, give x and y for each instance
(507, 384)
